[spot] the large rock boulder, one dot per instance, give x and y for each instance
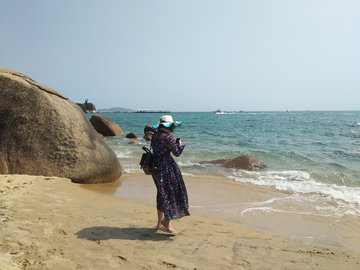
(244, 162)
(105, 126)
(42, 132)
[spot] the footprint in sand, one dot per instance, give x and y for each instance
(239, 250)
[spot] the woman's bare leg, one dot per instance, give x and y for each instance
(164, 223)
(160, 218)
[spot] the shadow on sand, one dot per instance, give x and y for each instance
(102, 233)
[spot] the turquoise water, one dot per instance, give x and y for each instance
(309, 152)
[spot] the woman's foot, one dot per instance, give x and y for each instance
(167, 230)
(166, 227)
(159, 225)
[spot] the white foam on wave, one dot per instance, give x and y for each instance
(187, 174)
(264, 202)
(298, 182)
(132, 169)
(312, 204)
(271, 209)
(186, 163)
(123, 154)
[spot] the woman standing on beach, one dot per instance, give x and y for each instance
(172, 199)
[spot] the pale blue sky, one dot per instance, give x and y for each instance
(189, 55)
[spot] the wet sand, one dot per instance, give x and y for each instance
(51, 223)
(276, 213)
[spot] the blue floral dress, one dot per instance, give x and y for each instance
(171, 196)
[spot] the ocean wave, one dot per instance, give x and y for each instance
(187, 174)
(271, 209)
(123, 154)
(352, 134)
(349, 154)
(310, 205)
(354, 124)
(187, 163)
(132, 170)
(328, 124)
(298, 182)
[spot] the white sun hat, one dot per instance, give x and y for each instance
(167, 121)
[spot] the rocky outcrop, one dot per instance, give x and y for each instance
(244, 162)
(148, 128)
(149, 135)
(149, 132)
(105, 126)
(42, 132)
(131, 135)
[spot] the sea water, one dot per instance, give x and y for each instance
(313, 155)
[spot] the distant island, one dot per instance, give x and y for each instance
(89, 107)
(123, 110)
(152, 111)
(115, 109)
(92, 109)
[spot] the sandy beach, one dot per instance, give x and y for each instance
(51, 223)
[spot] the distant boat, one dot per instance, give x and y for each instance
(218, 112)
(222, 112)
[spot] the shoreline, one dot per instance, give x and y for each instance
(264, 209)
(51, 223)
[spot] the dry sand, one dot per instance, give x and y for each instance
(51, 223)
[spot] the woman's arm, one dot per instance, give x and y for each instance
(173, 147)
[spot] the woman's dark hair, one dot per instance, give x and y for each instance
(171, 128)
